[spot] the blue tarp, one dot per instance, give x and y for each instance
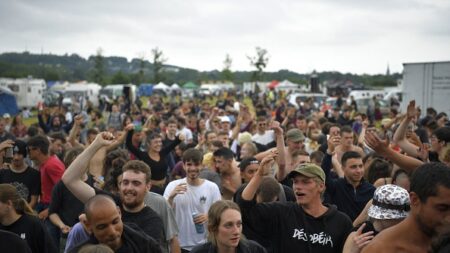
(8, 103)
(145, 89)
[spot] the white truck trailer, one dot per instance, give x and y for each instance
(428, 83)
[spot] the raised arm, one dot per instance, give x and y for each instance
(237, 128)
(327, 162)
(362, 135)
(72, 177)
(73, 140)
(42, 124)
(281, 158)
(400, 134)
(128, 131)
(382, 148)
(264, 168)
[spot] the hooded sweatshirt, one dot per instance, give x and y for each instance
(292, 230)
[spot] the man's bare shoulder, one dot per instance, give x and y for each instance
(376, 246)
(386, 241)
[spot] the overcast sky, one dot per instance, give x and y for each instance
(358, 36)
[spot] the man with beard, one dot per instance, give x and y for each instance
(190, 195)
(429, 215)
(104, 221)
(133, 187)
(54, 124)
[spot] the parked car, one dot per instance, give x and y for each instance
(363, 103)
(319, 98)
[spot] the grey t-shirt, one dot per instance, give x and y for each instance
(160, 205)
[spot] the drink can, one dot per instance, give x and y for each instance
(198, 227)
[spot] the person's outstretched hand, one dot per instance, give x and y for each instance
(378, 145)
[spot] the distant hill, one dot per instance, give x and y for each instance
(74, 68)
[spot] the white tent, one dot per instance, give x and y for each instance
(175, 86)
(286, 85)
(161, 86)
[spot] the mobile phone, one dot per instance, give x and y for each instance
(137, 126)
(9, 154)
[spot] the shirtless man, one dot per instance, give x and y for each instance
(229, 171)
(347, 138)
(429, 215)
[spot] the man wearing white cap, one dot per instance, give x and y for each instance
(225, 124)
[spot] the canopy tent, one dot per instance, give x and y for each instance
(273, 84)
(175, 86)
(8, 102)
(286, 85)
(161, 86)
(190, 86)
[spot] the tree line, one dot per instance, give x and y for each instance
(109, 70)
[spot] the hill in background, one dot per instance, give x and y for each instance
(116, 69)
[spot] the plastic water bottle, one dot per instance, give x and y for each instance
(198, 227)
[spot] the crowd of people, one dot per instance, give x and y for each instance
(225, 174)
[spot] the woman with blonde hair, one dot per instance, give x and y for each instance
(225, 231)
(16, 216)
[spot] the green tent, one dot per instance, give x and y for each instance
(190, 85)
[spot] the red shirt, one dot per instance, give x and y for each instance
(51, 172)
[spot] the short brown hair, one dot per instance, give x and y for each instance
(192, 155)
(138, 166)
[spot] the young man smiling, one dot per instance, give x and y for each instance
(189, 195)
(351, 193)
(133, 186)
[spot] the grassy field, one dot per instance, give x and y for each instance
(212, 101)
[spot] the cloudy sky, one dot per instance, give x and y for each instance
(343, 35)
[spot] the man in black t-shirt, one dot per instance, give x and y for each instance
(26, 179)
(133, 186)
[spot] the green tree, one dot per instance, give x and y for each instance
(158, 61)
(141, 73)
(99, 72)
(260, 62)
(227, 75)
(120, 78)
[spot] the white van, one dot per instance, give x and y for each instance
(114, 91)
(90, 91)
(28, 91)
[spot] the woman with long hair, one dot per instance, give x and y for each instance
(154, 157)
(225, 231)
(16, 216)
(18, 128)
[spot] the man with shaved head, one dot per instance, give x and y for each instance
(103, 220)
